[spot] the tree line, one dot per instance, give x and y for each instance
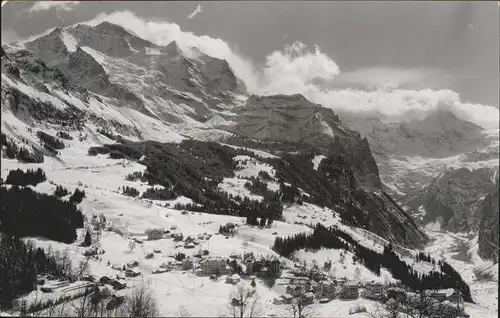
(194, 169)
(335, 238)
(21, 263)
(30, 177)
(25, 212)
(12, 151)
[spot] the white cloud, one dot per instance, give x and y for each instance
(295, 69)
(375, 77)
(195, 12)
(58, 5)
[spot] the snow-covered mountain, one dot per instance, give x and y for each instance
(108, 78)
(130, 109)
(169, 83)
(440, 167)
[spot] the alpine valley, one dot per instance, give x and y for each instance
(135, 138)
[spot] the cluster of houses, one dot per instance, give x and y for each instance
(249, 264)
(172, 233)
(323, 290)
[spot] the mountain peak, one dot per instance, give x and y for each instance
(173, 49)
(448, 120)
(108, 26)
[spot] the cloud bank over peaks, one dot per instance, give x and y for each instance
(297, 69)
(48, 5)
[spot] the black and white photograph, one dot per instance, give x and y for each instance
(249, 159)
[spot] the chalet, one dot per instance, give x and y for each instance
(327, 289)
(373, 291)
(133, 264)
(234, 256)
(248, 256)
(350, 291)
(396, 293)
(249, 266)
(118, 284)
(90, 252)
(132, 272)
(442, 294)
(187, 264)
(277, 301)
(235, 279)
(177, 237)
(154, 234)
(189, 245)
(160, 270)
(138, 241)
(104, 291)
(47, 289)
(200, 236)
(308, 298)
(374, 288)
(105, 280)
(296, 290)
(116, 300)
(173, 227)
(287, 298)
(275, 268)
(455, 296)
(157, 251)
(88, 278)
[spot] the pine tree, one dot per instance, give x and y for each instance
(253, 284)
(88, 239)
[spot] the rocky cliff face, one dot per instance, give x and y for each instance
(439, 166)
(488, 226)
(294, 118)
(439, 134)
(453, 199)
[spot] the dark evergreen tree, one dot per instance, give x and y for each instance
(25, 212)
(60, 191)
(87, 241)
(77, 196)
(30, 177)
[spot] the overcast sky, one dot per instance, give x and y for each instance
(452, 45)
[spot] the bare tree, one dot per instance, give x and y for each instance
(183, 312)
(390, 308)
(424, 303)
(416, 305)
(299, 307)
(357, 273)
(131, 245)
(82, 269)
(141, 303)
(244, 302)
(83, 305)
(65, 262)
